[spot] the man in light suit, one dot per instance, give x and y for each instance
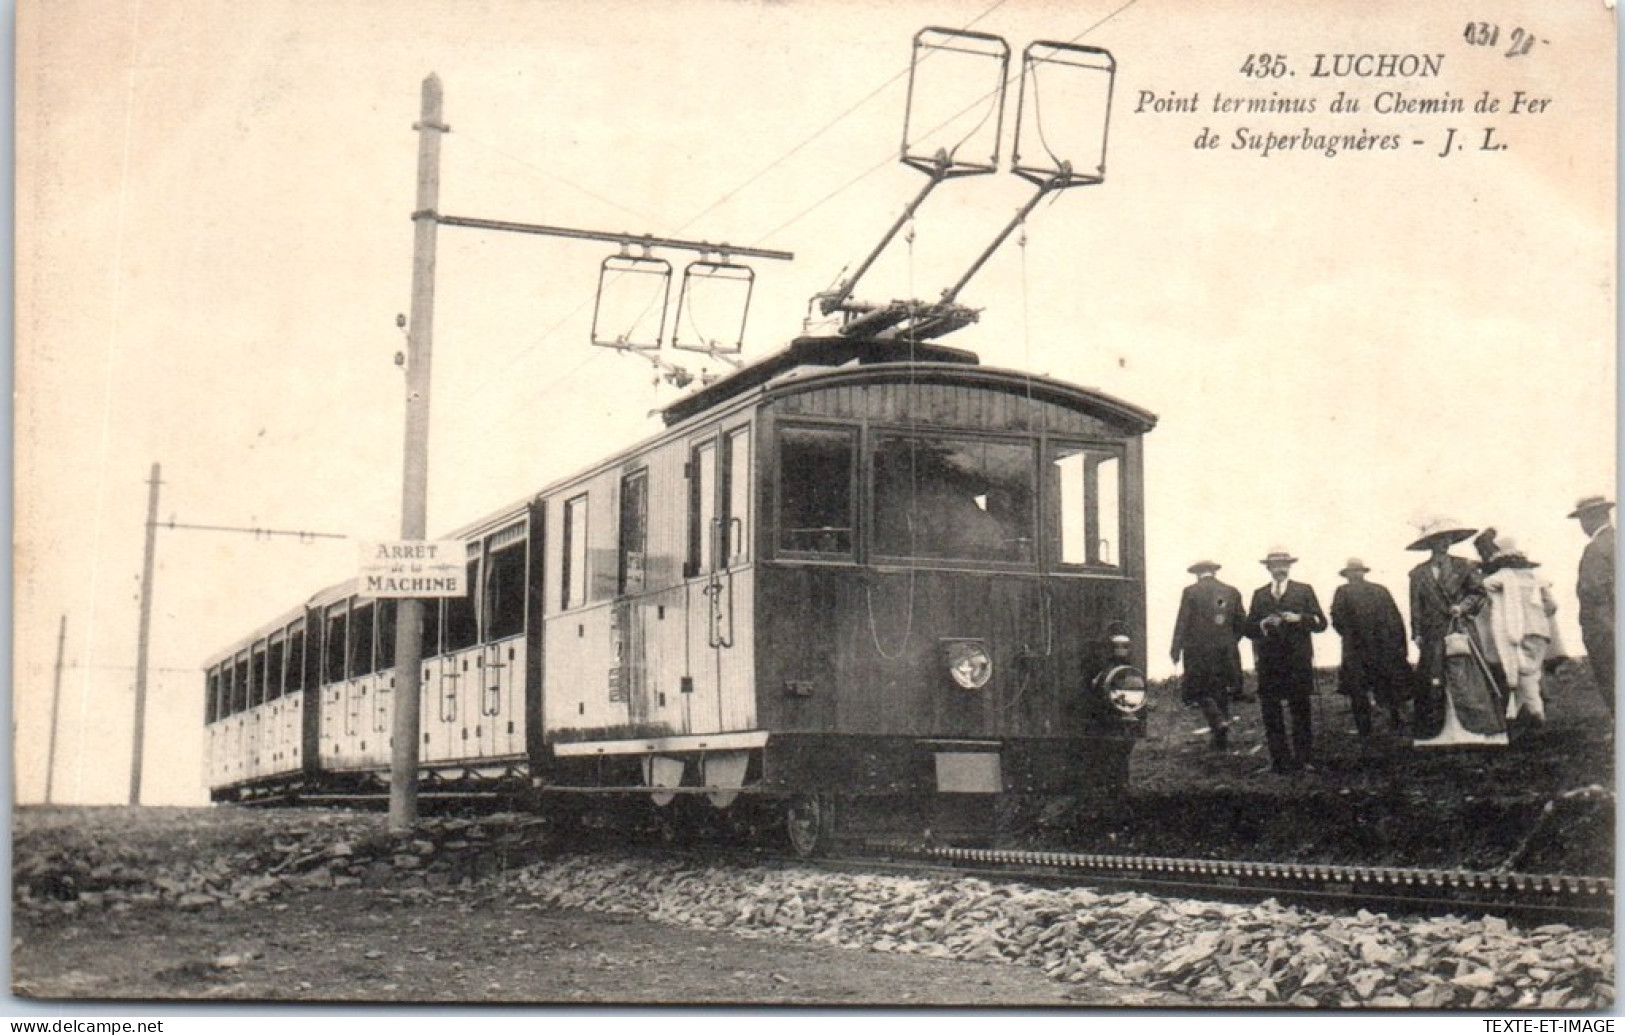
(1282, 617)
(1205, 635)
(1596, 592)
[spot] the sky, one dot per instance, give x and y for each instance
(214, 240)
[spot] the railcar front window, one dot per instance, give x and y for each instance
(1084, 491)
(954, 499)
(815, 491)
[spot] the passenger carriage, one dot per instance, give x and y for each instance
(854, 583)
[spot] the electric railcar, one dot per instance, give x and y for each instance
(861, 584)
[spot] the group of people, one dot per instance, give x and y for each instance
(1484, 632)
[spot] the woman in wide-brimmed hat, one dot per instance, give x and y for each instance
(1446, 592)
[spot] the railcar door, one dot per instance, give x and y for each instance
(720, 473)
(502, 656)
(333, 721)
(463, 663)
(437, 704)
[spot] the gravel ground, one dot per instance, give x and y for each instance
(324, 905)
(297, 905)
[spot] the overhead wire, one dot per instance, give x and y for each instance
(504, 365)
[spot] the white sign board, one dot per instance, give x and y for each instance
(413, 568)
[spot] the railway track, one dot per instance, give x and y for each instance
(1527, 898)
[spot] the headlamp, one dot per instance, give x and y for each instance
(969, 663)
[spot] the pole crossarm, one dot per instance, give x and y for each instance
(623, 239)
(257, 533)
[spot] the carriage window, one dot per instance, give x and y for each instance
(702, 510)
(815, 491)
(1085, 517)
(361, 640)
(959, 499)
(736, 513)
(275, 661)
(634, 542)
(505, 592)
(211, 697)
(228, 693)
(431, 628)
(256, 677)
(386, 634)
(575, 552)
(462, 617)
(299, 671)
(333, 645)
(239, 685)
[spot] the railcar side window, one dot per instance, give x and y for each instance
(634, 544)
(333, 645)
(1084, 510)
(736, 487)
(299, 668)
(462, 616)
(275, 661)
(505, 592)
(256, 676)
(211, 697)
(815, 491)
(702, 509)
(956, 499)
(575, 552)
(431, 628)
(239, 686)
(361, 626)
(386, 635)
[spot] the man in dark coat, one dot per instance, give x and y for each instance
(1446, 592)
(1374, 661)
(1596, 592)
(1206, 633)
(1282, 617)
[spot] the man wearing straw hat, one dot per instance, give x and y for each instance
(1205, 634)
(1374, 662)
(1446, 592)
(1596, 592)
(1282, 617)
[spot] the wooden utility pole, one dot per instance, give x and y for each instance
(403, 781)
(56, 701)
(138, 735)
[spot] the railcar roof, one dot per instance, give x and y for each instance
(845, 358)
(813, 352)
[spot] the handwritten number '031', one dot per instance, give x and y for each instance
(1264, 66)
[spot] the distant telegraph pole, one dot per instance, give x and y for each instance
(56, 701)
(138, 735)
(403, 782)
